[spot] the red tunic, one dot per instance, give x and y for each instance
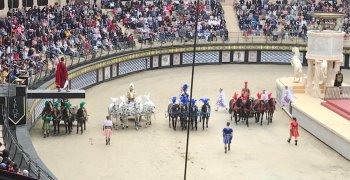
(61, 74)
(294, 129)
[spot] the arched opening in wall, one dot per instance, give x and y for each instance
(43, 2)
(27, 3)
(2, 4)
(13, 4)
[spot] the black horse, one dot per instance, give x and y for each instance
(205, 114)
(194, 116)
(259, 108)
(173, 114)
(67, 118)
(246, 109)
(81, 119)
(183, 115)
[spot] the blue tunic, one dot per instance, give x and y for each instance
(227, 135)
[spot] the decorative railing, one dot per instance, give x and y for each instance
(332, 92)
(234, 39)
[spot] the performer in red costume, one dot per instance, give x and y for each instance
(61, 76)
(294, 126)
(245, 90)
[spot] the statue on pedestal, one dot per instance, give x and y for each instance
(295, 62)
(324, 70)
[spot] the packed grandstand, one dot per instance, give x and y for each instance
(34, 38)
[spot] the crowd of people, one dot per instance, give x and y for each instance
(166, 20)
(30, 38)
(286, 18)
(6, 164)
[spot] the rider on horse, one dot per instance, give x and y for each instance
(131, 93)
(245, 90)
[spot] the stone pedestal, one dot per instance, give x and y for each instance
(323, 45)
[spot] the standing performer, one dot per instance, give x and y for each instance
(338, 80)
(227, 136)
(47, 117)
(131, 93)
(286, 97)
(245, 90)
(294, 125)
(221, 102)
(264, 96)
(107, 129)
(61, 77)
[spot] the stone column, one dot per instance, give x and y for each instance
(337, 66)
(330, 74)
(310, 76)
(316, 92)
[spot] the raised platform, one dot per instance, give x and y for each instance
(328, 126)
(54, 94)
(341, 107)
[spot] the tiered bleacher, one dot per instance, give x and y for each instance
(285, 19)
(30, 38)
(165, 21)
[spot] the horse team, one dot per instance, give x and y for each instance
(62, 110)
(124, 110)
(187, 113)
(243, 108)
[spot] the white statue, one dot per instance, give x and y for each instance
(323, 75)
(295, 62)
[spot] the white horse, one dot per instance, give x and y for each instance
(148, 110)
(295, 62)
(113, 110)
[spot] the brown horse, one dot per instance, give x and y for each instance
(259, 108)
(271, 107)
(235, 109)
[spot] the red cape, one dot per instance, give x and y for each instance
(61, 74)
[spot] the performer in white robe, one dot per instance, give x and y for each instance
(286, 97)
(221, 102)
(264, 96)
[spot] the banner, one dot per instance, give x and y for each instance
(17, 110)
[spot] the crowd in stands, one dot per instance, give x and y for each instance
(286, 18)
(6, 164)
(30, 38)
(167, 20)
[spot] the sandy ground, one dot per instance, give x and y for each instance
(157, 152)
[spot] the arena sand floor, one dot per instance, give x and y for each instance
(158, 152)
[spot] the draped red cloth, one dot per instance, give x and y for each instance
(61, 74)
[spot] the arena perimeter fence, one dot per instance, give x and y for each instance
(108, 63)
(20, 157)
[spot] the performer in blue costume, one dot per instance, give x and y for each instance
(184, 92)
(227, 136)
